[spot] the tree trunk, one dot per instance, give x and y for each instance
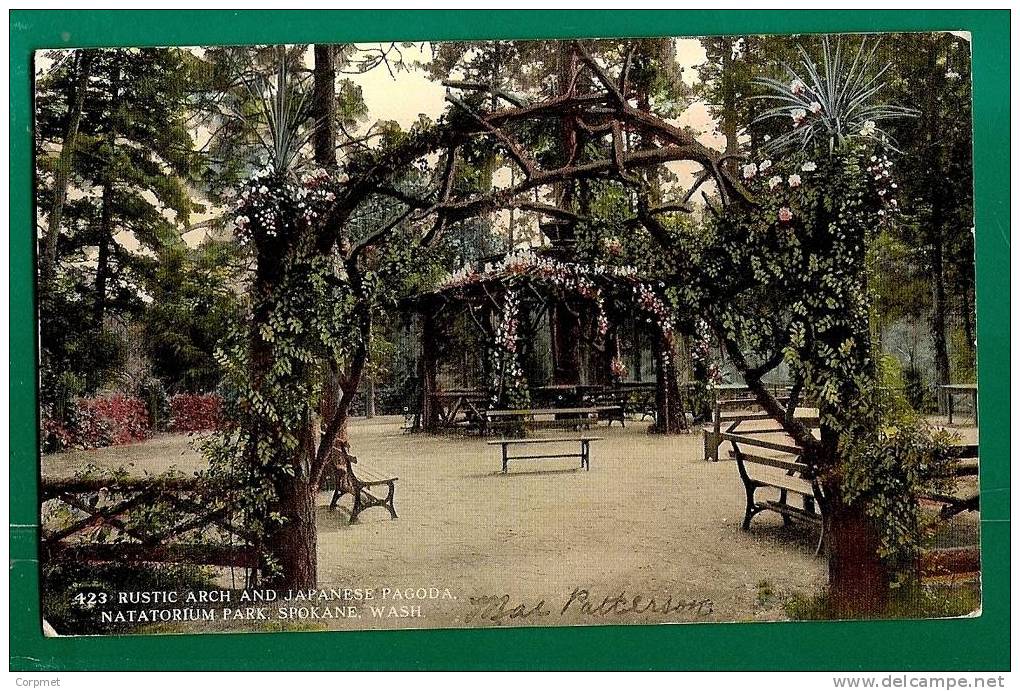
(294, 545)
(858, 577)
(566, 339)
(105, 232)
(938, 319)
(324, 105)
(106, 212)
(370, 398)
(728, 119)
(62, 175)
(429, 371)
(669, 417)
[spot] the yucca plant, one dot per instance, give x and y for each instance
(282, 122)
(834, 103)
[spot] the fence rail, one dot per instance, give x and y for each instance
(171, 520)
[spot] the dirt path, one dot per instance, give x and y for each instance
(651, 520)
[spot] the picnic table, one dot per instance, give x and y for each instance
(584, 455)
(953, 390)
(457, 406)
(562, 417)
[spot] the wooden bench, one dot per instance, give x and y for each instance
(584, 455)
(750, 451)
(734, 413)
(612, 405)
(363, 487)
(957, 502)
(562, 417)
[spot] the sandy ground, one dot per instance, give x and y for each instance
(651, 519)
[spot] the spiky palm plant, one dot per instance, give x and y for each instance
(833, 104)
(282, 124)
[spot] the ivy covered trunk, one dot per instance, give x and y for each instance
(858, 576)
(669, 416)
(291, 542)
(294, 545)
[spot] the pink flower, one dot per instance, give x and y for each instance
(815, 107)
(775, 181)
(749, 171)
(796, 87)
(798, 115)
(785, 215)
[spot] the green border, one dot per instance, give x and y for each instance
(981, 643)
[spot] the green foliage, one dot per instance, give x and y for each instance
(63, 581)
(963, 362)
(127, 195)
(886, 463)
(912, 600)
(77, 359)
(194, 302)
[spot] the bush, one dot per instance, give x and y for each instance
(116, 419)
(91, 423)
(195, 412)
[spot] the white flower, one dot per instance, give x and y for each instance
(868, 128)
(815, 107)
(749, 171)
(241, 220)
(952, 76)
(796, 87)
(765, 165)
(794, 180)
(775, 181)
(785, 214)
(798, 115)
(809, 167)
(263, 190)
(330, 196)
(767, 138)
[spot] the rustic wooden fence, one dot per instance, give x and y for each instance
(173, 520)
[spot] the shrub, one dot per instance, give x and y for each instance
(195, 412)
(91, 423)
(116, 419)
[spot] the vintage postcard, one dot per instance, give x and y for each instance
(506, 333)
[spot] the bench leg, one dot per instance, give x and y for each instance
(504, 457)
(389, 501)
(750, 510)
(358, 504)
(782, 500)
